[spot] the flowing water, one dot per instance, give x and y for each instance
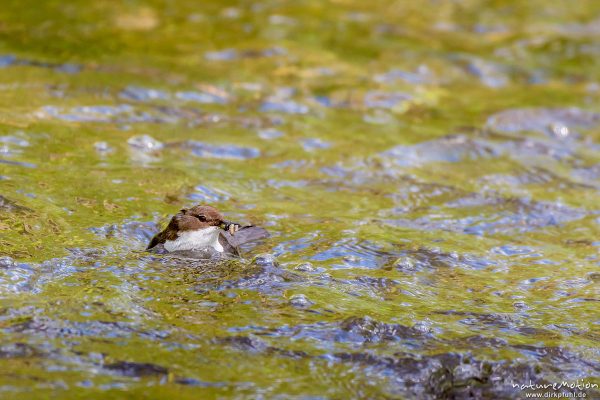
(429, 172)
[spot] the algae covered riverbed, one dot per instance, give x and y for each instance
(429, 173)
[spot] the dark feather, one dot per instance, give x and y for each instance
(152, 243)
(228, 248)
(245, 235)
(169, 233)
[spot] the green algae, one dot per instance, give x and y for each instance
(383, 240)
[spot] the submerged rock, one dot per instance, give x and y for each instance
(354, 253)
(461, 147)
(135, 369)
(8, 205)
(422, 75)
(10, 141)
(389, 100)
(19, 350)
(266, 260)
(232, 54)
(143, 94)
(288, 107)
(231, 151)
(311, 144)
(496, 215)
(556, 122)
(452, 148)
(100, 113)
(145, 143)
(103, 147)
(7, 262)
(7, 60)
(243, 343)
(202, 97)
(204, 194)
(221, 55)
(370, 330)
(445, 375)
(141, 231)
(269, 134)
(413, 260)
(300, 301)
(490, 74)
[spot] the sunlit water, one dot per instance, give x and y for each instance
(429, 172)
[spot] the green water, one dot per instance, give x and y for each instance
(429, 172)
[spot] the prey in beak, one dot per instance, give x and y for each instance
(231, 227)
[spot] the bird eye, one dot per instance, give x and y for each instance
(201, 217)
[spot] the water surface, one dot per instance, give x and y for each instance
(429, 171)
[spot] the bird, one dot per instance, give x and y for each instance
(201, 231)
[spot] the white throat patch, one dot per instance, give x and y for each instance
(200, 239)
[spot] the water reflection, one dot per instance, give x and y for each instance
(429, 175)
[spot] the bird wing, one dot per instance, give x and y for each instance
(154, 242)
(245, 235)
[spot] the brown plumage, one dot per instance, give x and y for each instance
(201, 217)
(197, 217)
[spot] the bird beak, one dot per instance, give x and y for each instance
(231, 227)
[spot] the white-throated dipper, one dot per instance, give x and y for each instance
(202, 231)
